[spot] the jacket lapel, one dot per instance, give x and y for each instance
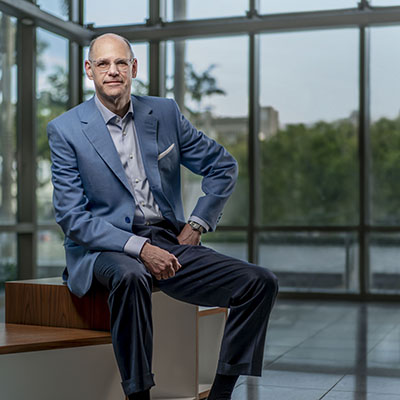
(97, 133)
(146, 128)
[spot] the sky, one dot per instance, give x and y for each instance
(306, 76)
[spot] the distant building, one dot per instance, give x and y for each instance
(269, 122)
(237, 127)
(354, 117)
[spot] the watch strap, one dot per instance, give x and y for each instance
(196, 226)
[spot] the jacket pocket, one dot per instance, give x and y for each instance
(165, 152)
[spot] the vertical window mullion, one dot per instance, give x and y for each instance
(364, 158)
(75, 80)
(253, 145)
(26, 147)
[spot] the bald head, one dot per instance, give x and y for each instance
(108, 36)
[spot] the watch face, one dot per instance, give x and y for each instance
(196, 226)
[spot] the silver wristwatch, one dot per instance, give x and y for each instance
(196, 226)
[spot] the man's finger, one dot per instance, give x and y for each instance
(165, 275)
(175, 264)
(171, 272)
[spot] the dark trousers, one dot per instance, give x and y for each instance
(207, 278)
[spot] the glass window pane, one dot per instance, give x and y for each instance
(118, 12)
(385, 262)
(140, 85)
(287, 6)
(308, 128)
(52, 100)
(311, 260)
(194, 9)
(59, 8)
(51, 256)
(8, 102)
(232, 244)
(8, 264)
(208, 91)
(385, 126)
(8, 258)
(384, 3)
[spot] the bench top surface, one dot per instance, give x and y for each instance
(16, 338)
(57, 281)
(43, 281)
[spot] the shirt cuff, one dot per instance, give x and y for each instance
(134, 245)
(200, 221)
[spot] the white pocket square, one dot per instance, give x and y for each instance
(165, 152)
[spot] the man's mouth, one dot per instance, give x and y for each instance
(112, 82)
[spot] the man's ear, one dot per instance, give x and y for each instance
(134, 68)
(88, 69)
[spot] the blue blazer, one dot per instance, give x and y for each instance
(92, 198)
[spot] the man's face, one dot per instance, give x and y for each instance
(109, 71)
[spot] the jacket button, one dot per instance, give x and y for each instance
(127, 220)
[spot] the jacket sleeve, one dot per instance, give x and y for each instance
(71, 204)
(207, 158)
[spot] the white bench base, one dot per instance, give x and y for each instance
(186, 347)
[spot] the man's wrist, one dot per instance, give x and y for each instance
(200, 221)
(134, 245)
(196, 226)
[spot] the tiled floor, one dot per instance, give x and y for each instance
(329, 350)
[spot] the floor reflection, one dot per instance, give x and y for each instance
(330, 351)
(361, 370)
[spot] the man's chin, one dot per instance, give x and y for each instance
(115, 96)
(114, 91)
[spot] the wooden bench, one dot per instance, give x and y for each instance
(16, 338)
(68, 340)
(49, 302)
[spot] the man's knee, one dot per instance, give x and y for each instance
(133, 276)
(124, 271)
(267, 281)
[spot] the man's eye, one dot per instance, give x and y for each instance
(102, 64)
(122, 62)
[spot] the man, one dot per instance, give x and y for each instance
(116, 176)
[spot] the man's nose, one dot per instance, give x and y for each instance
(113, 69)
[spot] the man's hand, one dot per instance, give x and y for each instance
(189, 236)
(159, 262)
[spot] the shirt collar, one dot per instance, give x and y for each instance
(109, 115)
